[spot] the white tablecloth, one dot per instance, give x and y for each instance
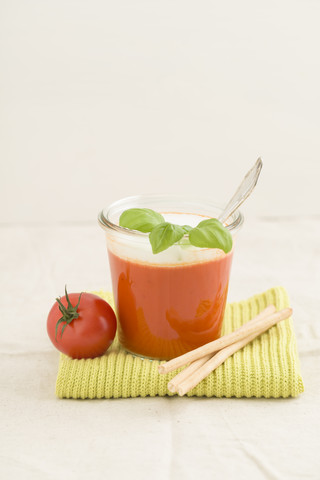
(159, 438)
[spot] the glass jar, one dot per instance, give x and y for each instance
(173, 301)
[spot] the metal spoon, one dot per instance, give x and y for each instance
(244, 190)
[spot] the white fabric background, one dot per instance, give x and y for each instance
(46, 438)
(100, 100)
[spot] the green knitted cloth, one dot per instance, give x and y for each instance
(267, 367)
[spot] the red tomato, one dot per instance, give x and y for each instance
(81, 329)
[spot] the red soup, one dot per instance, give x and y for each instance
(167, 310)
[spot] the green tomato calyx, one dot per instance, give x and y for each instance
(69, 313)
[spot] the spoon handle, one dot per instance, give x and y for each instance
(244, 190)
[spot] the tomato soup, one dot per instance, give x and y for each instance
(165, 310)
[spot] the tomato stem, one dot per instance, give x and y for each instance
(69, 313)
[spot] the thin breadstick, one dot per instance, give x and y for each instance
(175, 381)
(218, 344)
(193, 366)
(226, 352)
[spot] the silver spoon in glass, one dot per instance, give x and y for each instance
(244, 190)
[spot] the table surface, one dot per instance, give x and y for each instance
(170, 437)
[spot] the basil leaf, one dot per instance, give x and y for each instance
(211, 234)
(141, 219)
(165, 235)
(186, 228)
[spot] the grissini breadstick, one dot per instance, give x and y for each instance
(175, 381)
(216, 345)
(226, 352)
(193, 366)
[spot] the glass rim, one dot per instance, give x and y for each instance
(105, 222)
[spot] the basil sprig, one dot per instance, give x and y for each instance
(208, 233)
(164, 235)
(211, 234)
(142, 219)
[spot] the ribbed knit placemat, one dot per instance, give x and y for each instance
(267, 367)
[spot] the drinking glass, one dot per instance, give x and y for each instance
(173, 301)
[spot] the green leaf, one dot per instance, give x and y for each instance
(141, 219)
(186, 228)
(211, 234)
(164, 235)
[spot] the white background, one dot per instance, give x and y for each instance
(100, 100)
